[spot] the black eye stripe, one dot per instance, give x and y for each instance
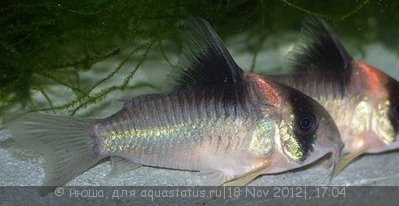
(392, 87)
(306, 121)
(396, 108)
(394, 100)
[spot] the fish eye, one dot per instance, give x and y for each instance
(396, 109)
(307, 123)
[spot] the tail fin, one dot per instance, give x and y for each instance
(21, 152)
(65, 142)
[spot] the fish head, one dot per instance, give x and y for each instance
(306, 132)
(378, 99)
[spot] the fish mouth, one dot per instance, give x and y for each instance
(330, 153)
(332, 159)
(348, 157)
(371, 143)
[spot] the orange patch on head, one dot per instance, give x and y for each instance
(270, 91)
(372, 75)
(266, 88)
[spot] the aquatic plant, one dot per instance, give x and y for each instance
(66, 56)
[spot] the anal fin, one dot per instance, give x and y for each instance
(223, 178)
(120, 166)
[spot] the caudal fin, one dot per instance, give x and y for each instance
(65, 142)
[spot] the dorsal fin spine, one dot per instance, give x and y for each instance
(205, 60)
(321, 51)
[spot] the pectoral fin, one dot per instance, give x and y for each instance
(238, 168)
(348, 158)
(247, 177)
(215, 178)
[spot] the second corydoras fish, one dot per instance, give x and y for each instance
(219, 120)
(363, 100)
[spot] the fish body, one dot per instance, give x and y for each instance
(362, 100)
(215, 126)
(217, 119)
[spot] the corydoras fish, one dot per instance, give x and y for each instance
(219, 120)
(363, 100)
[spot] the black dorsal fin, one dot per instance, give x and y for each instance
(319, 50)
(205, 61)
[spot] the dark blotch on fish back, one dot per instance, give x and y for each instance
(205, 60)
(209, 83)
(321, 53)
(210, 69)
(207, 72)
